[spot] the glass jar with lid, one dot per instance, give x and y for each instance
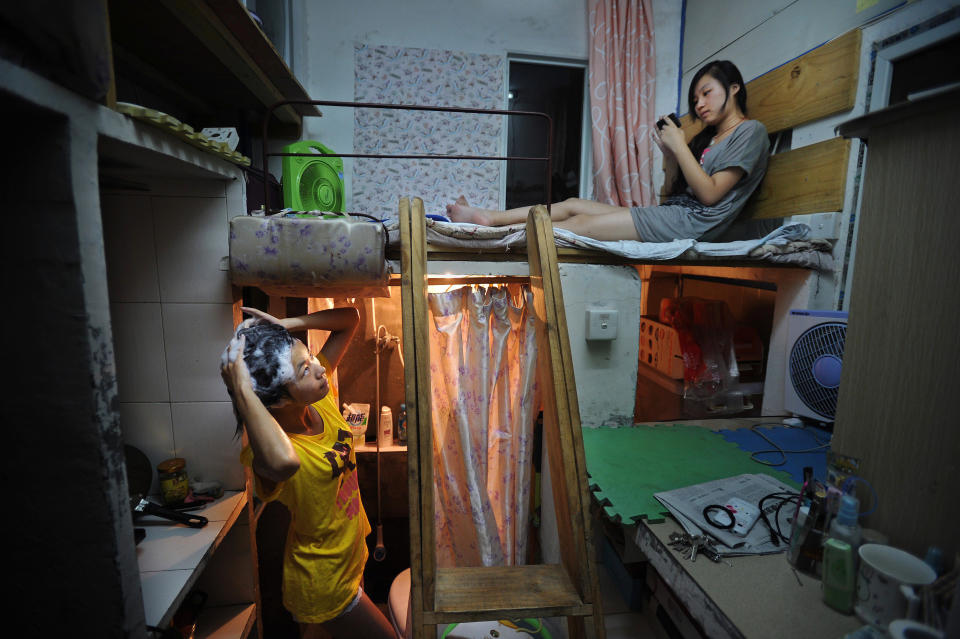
(174, 483)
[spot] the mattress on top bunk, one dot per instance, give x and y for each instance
(308, 255)
(789, 244)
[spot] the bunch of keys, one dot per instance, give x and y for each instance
(691, 546)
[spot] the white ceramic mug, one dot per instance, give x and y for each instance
(883, 569)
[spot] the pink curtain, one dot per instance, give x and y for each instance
(483, 354)
(622, 77)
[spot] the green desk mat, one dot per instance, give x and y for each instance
(628, 465)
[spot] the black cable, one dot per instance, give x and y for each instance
(776, 533)
(776, 448)
(713, 522)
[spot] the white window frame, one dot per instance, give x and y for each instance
(886, 57)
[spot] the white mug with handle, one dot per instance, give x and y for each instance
(883, 570)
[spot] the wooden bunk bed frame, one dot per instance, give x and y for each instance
(808, 180)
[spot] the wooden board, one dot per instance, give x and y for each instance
(421, 550)
(811, 179)
(817, 84)
(562, 423)
(476, 593)
(556, 405)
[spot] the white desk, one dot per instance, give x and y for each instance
(756, 596)
(172, 556)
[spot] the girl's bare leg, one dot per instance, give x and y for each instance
(365, 621)
(606, 227)
(460, 211)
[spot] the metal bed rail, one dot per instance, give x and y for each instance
(548, 159)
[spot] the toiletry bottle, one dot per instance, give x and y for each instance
(402, 424)
(845, 526)
(385, 433)
(839, 576)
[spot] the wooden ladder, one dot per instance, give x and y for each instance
(454, 595)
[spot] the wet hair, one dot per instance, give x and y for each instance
(267, 355)
(727, 74)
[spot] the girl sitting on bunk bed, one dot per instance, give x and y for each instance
(711, 178)
(301, 452)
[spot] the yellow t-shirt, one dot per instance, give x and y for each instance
(325, 551)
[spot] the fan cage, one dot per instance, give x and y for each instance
(312, 175)
(821, 340)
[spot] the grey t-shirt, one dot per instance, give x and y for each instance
(684, 217)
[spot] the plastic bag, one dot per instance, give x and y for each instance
(706, 332)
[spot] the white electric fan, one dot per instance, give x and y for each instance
(814, 362)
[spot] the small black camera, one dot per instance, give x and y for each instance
(662, 122)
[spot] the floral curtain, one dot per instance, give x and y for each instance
(622, 83)
(483, 353)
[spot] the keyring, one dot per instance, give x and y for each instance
(709, 518)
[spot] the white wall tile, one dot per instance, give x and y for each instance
(195, 336)
(204, 435)
(139, 349)
(192, 237)
(148, 427)
(129, 245)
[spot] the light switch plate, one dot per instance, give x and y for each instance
(602, 323)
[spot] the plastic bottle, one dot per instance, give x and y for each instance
(385, 433)
(839, 576)
(845, 526)
(839, 556)
(402, 424)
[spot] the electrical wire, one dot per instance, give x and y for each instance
(784, 498)
(821, 445)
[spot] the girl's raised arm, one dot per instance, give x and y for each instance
(274, 458)
(341, 322)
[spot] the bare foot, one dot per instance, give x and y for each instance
(460, 211)
(462, 201)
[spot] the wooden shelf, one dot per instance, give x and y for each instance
(506, 592)
(172, 556)
(132, 150)
(209, 58)
(372, 448)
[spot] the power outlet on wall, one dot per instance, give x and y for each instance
(602, 323)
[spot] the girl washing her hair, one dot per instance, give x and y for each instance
(301, 452)
(711, 178)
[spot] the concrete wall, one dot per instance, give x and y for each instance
(64, 475)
